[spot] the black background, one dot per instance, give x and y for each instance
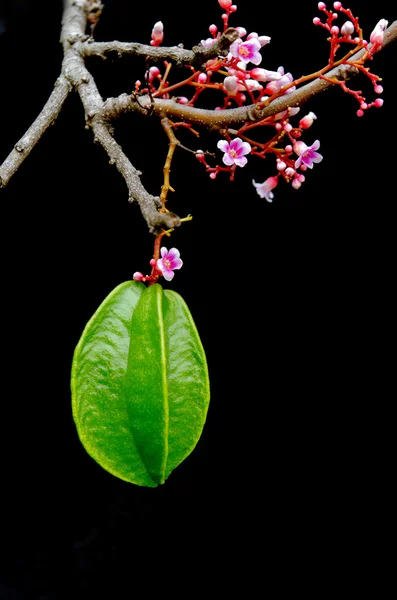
(294, 302)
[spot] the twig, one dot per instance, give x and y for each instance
(27, 142)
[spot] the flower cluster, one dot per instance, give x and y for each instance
(240, 80)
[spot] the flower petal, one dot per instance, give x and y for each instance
(223, 145)
(227, 159)
(168, 275)
(173, 253)
(240, 161)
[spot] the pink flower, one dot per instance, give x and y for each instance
(275, 85)
(157, 34)
(265, 189)
(247, 51)
(307, 155)
(169, 262)
(263, 39)
(234, 152)
(376, 37)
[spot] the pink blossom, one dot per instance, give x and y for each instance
(234, 152)
(285, 79)
(376, 37)
(169, 262)
(263, 39)
(265, 189)
(157, 34)
(247, 51)
(307, 155)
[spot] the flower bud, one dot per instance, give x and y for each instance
(157, 34)
(376, 37)
(307, 121)
(347, 28)
(225, 4)
(231, 85)
(264, 75)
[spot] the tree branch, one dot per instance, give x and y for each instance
(27, 142)
(195, 57)
(218, 119)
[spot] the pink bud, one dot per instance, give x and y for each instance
(241, 31)
(316, 21)
(202, 78)
(337, 5)
(213, 29)
(307, 121)
(296, 184)
(347, 28)
(157, 34)
(137, 276)
(321, 6)
(225, 4)
(281, 165)
(231, 85)
(290, 172)
(335, 30)
(378, 102)
(264, 75)
(378, 89)
(376, 37)
(153, 73)
(360, 113)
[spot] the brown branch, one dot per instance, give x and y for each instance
(27, 142)
(197, 56)
(218, 119)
